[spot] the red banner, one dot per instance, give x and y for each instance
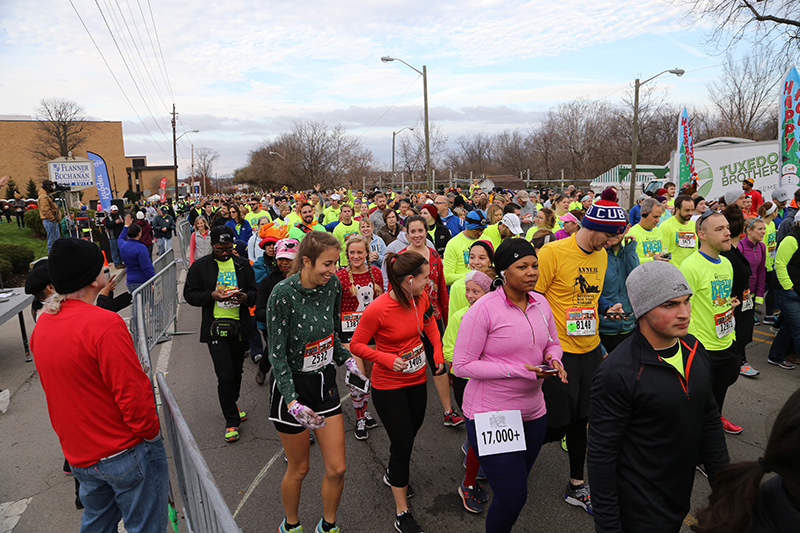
(163, 189)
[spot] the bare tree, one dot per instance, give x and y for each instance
(411, 149)
(204, 161)
(61, 128)
(757, 21)
(474, 154)
(512, 154)
(744, 97)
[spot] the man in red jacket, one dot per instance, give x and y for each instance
(100, 401)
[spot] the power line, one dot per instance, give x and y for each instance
(390, 107)
(155, 30)
(111, 71)
(162, 68)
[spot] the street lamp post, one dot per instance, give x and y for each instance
(394, 134)
(424, 74)
(635, 137)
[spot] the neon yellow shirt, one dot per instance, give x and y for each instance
(331, 215)
(292, 219)
(492, 235)
(456, 258)
(711, 282)
(450, 334)
(786, 250)
(343, 233)
(226, 279)
(679, 239)
(648, 242)
(253, 217)
(771, 242)
(458, 298)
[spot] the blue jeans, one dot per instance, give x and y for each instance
(132, 486)
(112, 242)
(788, 338)
(133, 286)
(53, 232)
(508, 475)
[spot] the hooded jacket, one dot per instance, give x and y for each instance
(756, 254)
(136, 258)
(619, 266)
(648, 429)
(201, 281)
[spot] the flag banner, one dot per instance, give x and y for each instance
(686, 167)
(162, 189)
(101, 180)
(788, 110)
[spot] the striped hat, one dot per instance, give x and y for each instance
(605, 218)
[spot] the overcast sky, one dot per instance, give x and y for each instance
(242, 71)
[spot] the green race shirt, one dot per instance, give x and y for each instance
(711, 281)
(226, 279)
(648, 242)
(456, 258)
(343, 233)
(771, 242)
(678, 239)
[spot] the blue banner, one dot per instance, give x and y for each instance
(101, 179)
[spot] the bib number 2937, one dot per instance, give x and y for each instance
(499, 432)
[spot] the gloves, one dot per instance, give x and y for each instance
(759, 300)
(306, 417)
(351, 365)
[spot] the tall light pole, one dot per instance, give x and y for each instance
(394, 134)
(424, 74)
(175, 147)
(635, 137)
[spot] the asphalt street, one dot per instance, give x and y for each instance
(249, 472)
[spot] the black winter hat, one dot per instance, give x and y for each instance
(73, 264)
(510, 251)
(38, 279)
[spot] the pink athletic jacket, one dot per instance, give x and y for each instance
(494, 341)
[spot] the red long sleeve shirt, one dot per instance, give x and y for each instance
(99, 399)
(395, 332)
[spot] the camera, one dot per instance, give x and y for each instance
(52, 187)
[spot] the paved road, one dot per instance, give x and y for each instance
(30, 462)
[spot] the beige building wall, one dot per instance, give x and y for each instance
(18, 137)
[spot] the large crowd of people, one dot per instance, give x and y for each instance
(539, 316)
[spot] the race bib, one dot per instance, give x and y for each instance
(228, 304)
(527, 218)
(581, 321)
(724, 323)
(499, 432)
(415, 359)
(747, 300)
(350, 321)
(318, 354)
(686, 239)
(466, 257)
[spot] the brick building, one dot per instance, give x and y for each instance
(18, 136)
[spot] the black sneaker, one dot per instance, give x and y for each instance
(409, 490)
(261, 377)
(371, 422)
(480, 493)
(470, 499)
(405, 523)
(361, 429)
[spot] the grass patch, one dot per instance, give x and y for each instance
(9, 233)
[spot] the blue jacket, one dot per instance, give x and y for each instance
(454, 223)
(261, 268)
(635, 214)
(619, 266)
(136, 258)
(245, 231)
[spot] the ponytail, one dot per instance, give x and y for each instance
(398, 267)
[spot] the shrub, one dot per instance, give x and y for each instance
(5, 270)
(33, 222)
(18, 256)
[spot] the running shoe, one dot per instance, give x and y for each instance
(480, 493)
(409, 490)
(755, 317)
(311, 438)
(774, 330)
(318, 529)
(748, 371)
(371, 422)
(231, 434)
(453, 419)
(261, 377)
(580, 497)
(284, 529)
(792, 358)
(770, 320)
(564, 443)
(730, 427)
(469, 499)
(257, 357)
(405, 523)
(242, 414)
(783, 363)
(361, 429)
(480, 475)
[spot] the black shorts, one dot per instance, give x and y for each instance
(569, 402)
(318, 392)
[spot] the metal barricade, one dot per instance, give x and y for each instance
(184, 236)
(204, 508)
(163, 260)
(157, 300)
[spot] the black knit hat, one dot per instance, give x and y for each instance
(73, 264)
(222, 235)
(37, 279)
(486, 246)
(510, 251)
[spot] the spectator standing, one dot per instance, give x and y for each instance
(146, 236)
(108, 426)
(114, 224)
(389, 228)
(48, 212)
(134, 255)
(200, 240)
(163, 229)
(18, 205)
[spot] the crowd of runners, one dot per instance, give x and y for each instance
(540, 317)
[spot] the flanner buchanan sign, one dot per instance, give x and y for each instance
(77, 172)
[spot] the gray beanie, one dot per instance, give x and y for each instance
(653, 283)
(732, 195)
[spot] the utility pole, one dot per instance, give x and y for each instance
(175, 150)
(192, 169)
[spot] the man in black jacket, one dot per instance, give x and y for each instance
(114, 224)
(652, 415)
(224, 285)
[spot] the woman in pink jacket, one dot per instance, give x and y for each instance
(507, 344)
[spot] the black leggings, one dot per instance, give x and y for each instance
(402, 412)
(228, 357)
(724, 372)
(575, 432)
